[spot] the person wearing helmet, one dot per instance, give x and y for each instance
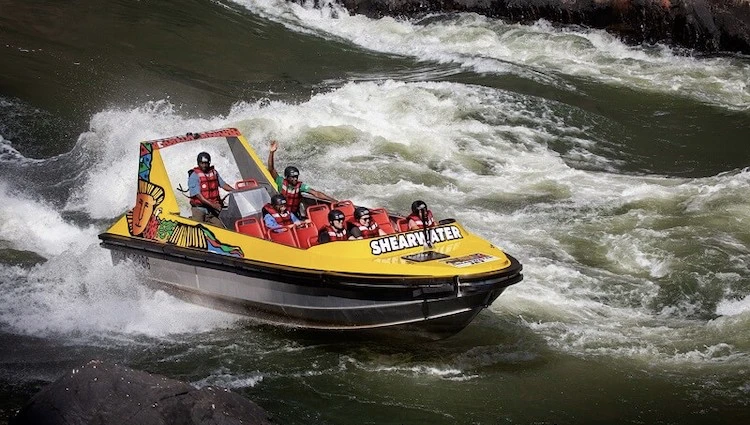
(363, 226)
(420, 216)
(335, 230)
(290, 186)
(276, 214)
(203, 188)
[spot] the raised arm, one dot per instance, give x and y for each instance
(271, 152)
(321, 195)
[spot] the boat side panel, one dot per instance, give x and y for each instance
(315, 309)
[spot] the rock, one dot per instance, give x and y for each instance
(103, 394)
(15, 257)
(705, 25)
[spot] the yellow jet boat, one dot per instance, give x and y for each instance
(427, 283)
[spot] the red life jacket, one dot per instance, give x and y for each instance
(209, 186)
(284, 219)
(335, 234)
(292, 194)
(368, 231)
(417, 219)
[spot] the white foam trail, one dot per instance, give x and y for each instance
(80, 294)
(734, 307)
(34, 225)
(224, 378)
(491, 46)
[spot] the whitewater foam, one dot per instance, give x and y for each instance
(491, 46)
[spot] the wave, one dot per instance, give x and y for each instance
(538, 52)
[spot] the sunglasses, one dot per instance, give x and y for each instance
(366, 217)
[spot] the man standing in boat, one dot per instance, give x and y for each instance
(203, 188)
(290, 186)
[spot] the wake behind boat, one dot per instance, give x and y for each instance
(391, 283)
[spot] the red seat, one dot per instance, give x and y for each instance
(282, 235)
(247, 183)
(313, 240)
(250, 226)
(403, 224)
(380, 215)
(346, 207)
(318, 214)
(303, 232)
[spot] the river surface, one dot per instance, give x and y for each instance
(616, 174)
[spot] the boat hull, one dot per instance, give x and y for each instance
(415, 307)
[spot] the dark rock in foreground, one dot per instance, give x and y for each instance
(104, 394)
(705, 25)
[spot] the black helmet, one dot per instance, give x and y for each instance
(278, 200)
(335, 215)
(360, 211)
(418, 205)
(291, 171)
(204, 157)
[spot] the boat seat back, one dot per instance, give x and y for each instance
(312, 241)
(402, 224)
(318, 214)
(346, 207)
(380, 215)
(246, 184)
(303, 232)
(250, 226)
(282, 235)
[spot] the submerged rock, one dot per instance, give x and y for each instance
(15, 257)
(103, 394)
(705, 25)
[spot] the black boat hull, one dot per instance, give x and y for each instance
(419, 306)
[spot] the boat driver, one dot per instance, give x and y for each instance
(276, 214)
(203, 188)
(363, 226)
(290, 186)
(335, 230)
(420, 216)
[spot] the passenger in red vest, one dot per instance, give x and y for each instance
(203, 188)
(335, 230)
(290, 186)
(276, 214)
(363, 226)
(420, 216)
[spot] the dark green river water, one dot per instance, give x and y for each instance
(616, 174)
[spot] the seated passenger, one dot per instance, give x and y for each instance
(420, 216)
(276, 215)
(335, 230)
(364, 227)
